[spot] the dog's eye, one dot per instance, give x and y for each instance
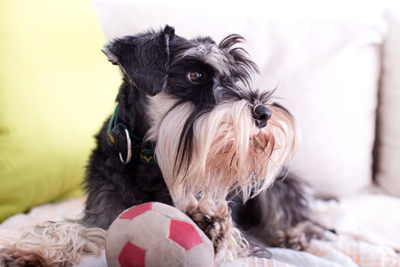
(196, 76)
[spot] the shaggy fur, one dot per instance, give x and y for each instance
(53, 245)
(215, 139)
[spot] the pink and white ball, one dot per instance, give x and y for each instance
(156, 235)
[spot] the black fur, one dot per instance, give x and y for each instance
(151, 64)
(144, 59)
(282, 207)
(112, 186)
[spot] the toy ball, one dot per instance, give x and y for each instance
(155, 235)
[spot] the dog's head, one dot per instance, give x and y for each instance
(213, 131)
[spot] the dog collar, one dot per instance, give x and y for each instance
(126, 143)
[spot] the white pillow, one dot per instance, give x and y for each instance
(325, 63)
(328, 74)
(388, 173)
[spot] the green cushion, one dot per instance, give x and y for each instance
(56, 89)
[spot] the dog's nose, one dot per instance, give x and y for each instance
(261, 115)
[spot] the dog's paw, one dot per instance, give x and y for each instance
(298, 237)
(291, 238)
(214, 221)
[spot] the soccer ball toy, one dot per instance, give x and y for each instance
(156, 235)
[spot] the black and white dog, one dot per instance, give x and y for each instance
(191, 131)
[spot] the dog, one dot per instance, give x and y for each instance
(191, 131)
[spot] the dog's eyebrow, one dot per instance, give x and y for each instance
(220, 60)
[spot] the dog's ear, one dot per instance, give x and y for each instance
(144, 58)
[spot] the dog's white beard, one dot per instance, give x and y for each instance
(228, 150)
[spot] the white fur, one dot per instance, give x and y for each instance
(58, 244)
(229, 152)
(228, 127)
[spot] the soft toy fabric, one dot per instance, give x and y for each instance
(155, 234)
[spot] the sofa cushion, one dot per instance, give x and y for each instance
(324, 62)
(327, 74)
(56, 88)
(388, 171)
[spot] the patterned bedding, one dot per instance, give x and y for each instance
(359, 247)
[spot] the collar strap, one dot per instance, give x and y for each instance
(119, 137)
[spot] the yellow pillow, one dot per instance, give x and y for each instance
(56, 88)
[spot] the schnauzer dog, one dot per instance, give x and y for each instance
(190, 131)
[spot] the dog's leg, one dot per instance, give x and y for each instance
(280, 217)
(298, 237)
(102, 206)
(216, 223)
